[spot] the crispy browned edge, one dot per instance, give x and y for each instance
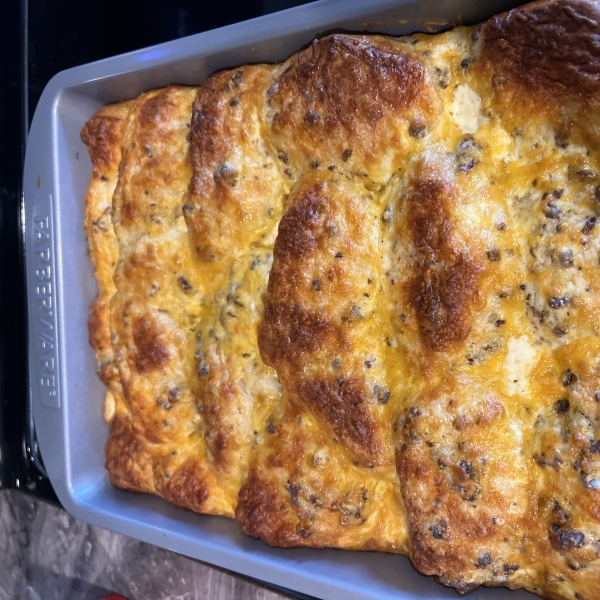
(102, 135)
(544, 57)
(128, 464)
(551, 47)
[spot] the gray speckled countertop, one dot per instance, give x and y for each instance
(46, 554)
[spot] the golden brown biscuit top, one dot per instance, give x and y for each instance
(357, 297)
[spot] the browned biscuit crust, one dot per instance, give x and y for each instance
(356, 297)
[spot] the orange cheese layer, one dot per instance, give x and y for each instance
(353, 299)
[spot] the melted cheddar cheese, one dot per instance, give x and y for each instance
(353, 299)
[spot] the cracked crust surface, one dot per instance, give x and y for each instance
(356, 297)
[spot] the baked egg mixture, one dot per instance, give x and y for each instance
(353, 300)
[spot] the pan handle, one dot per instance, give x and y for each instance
(42, 295)
(43, 275)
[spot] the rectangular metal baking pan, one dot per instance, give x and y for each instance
(66, 393)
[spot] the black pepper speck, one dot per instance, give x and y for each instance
(493, 254)
(484, 560)
(589, 226)
(568, 378)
